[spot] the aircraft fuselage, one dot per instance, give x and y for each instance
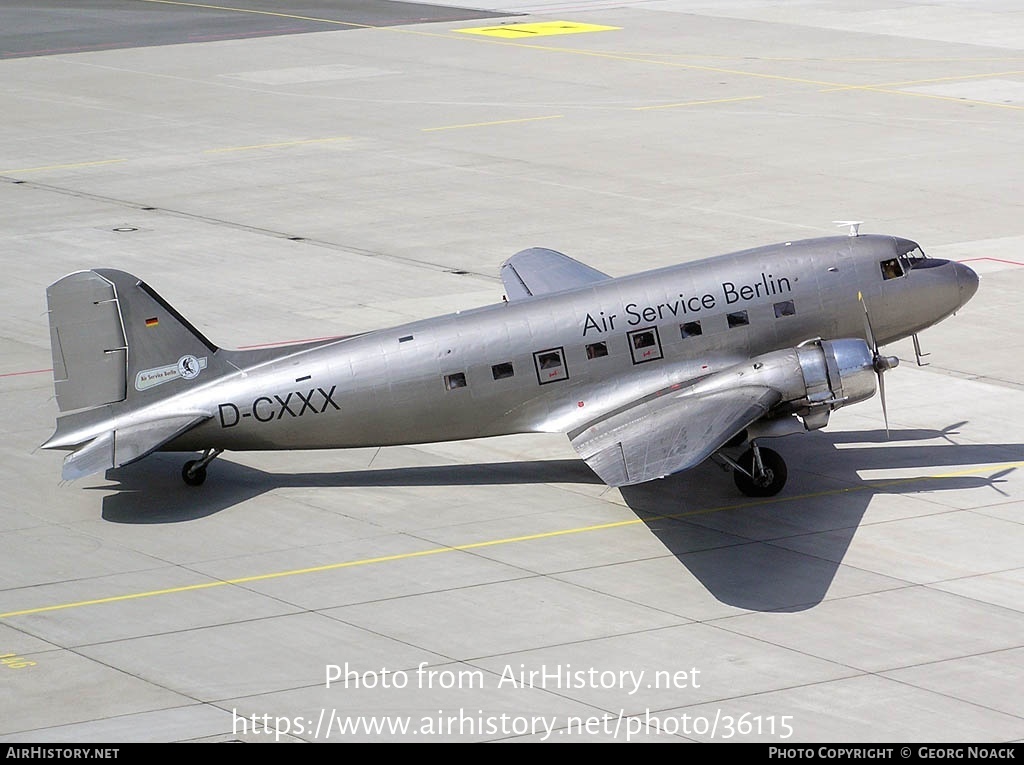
(555, 362)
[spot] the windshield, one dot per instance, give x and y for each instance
(910, 254)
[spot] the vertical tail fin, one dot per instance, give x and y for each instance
(114, 339)
(118, 347)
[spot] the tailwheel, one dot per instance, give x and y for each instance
(761, 472)
(193, 472)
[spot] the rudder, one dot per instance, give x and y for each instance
(87, 342)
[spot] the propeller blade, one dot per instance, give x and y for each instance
(881, 363)
(868, 332)
(881, 395)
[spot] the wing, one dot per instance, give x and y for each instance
(537, 271)
(668, 433)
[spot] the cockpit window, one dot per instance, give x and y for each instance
(915, 258)
(891, 268)
(910, 254)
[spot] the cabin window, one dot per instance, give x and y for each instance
(455, 380)
(597, 350)
(690, 329)
(549, 359)
(738, 319)
(501, 371)
(785, 308)
(550, 365)
(891, 268)
(644, 344)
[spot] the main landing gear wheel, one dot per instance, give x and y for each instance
(193, 472)
(764, 480)
(192, 475)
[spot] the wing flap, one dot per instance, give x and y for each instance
(670, 433)
(538, 271)
(122, 446)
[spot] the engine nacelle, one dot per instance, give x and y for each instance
(813, 379)
(819, 376)
(837, 372)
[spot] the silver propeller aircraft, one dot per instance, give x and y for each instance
(649, 374)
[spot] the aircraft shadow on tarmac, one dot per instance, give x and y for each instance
(737, 547)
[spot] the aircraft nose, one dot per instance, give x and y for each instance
(967, 281)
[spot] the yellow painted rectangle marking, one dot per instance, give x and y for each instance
(538, 29)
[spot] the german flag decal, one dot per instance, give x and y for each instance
(152, 322)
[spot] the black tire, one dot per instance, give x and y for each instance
(193, 478)
(774, 478)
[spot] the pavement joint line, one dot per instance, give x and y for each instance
(246, 227)
(866, 486)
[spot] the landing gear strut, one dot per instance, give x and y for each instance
(193, 472)
(759, 472)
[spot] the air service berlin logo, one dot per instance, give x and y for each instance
(187, 368)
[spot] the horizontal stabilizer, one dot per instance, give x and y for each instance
(126, 445)
(538, 271)
(668, 433)
(95, 456)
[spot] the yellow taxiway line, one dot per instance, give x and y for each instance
(875, 485)
(279, 144)
(64, 167)
(696, 103)
(493, 122)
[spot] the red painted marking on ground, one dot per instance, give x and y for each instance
(28, 372)
(994, 260)
(291, 342)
